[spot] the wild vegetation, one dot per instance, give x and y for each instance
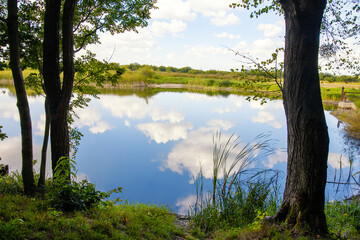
(303, 204)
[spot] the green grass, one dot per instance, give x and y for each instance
(7, 75)
(32, 218)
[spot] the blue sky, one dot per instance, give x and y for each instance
(195, 33)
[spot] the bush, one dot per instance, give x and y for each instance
(68, 195)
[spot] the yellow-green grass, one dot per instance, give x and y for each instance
(7, 75)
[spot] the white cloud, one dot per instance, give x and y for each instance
(161, 115)
(264, 44)
(40, 125)
(173, 27)
(225, 20)
(87, 117)
(270, 30)
(227, 35)
(336, 160)
(8, 109)
(203, 52)
(173, 9)
(220, 124)
(91, 117)
(223, 110)
(10, 153)
(206, 6)
(278, 157)
(185, 203)
(127, 123)
(164, 132)
(195, 151)
(267, 117)
(100, 127)
(124, 47)
(129, 106)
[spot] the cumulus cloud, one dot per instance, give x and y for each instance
(278, 157)
(165, 132)
(220, 124)
(207, 6)
(270, 30)
(130, 106)
(203, 52)
(227, 35)
(173, 27)
(40, 125)
(8, 108)
(91, 118)
(162, 115)
(100, 127)
(223, 110)
(336, 160)
(10, 153)
(225, 19)
(194, 152)
(173, 9)
(185, 203)
(267, 117)
(123, 47)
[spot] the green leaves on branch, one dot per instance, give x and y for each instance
(262, 6)
(2, 135)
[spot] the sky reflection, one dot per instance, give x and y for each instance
(153, 146)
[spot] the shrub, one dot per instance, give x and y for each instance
(68, 195)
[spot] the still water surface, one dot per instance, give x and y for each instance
(153, 145)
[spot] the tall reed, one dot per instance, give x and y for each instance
(239, 193)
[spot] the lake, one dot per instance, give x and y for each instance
(152, 145)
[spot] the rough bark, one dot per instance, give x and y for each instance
(22, 101)
(51, 67)
(308, 141)
(59, 95)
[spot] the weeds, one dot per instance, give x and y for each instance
(237, 195)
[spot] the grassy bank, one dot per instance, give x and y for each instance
(23, 217)
(33, 218)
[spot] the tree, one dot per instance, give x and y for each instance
(22, 102)
(90, 18)
(307, 140)
(41, 41)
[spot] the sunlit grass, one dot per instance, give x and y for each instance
(22, 217)
(7, 75)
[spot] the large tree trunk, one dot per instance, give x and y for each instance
(51, 67)
(308, 141)
(59, 96)
(22, 102)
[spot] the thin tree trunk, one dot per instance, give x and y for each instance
(22, 102)
(308, 141)
(42, 178)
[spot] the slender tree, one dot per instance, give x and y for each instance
(22, 102)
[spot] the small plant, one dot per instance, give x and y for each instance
(11, 184)
(68, 195)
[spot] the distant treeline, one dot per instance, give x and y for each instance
(249, 72)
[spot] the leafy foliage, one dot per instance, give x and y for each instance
(68, 195)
